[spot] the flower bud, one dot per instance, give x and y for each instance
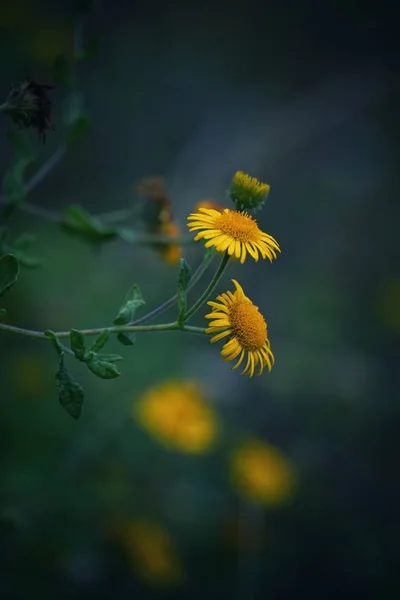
(247, 192)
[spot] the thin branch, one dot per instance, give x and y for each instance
(171, 301)
(116, 329)
(108, 217)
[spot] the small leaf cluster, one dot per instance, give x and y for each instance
(70, 392)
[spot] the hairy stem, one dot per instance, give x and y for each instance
(115, 329)
(206, 294)
(171, 301)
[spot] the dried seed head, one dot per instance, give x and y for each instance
(30, 106)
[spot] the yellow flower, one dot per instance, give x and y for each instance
(247, 192)
(232, 231)
(240, 319)
(177, 415)
(261, 473)
(151, 553)
(171, 253)
(208, 203)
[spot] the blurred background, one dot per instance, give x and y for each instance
(282, 486)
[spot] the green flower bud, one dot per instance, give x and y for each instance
(247, 192)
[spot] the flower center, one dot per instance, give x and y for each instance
(238, 226)
(248, 325)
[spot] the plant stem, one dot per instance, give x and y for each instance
(116, 216)
(116, 329)
(210, 288)
(171, 301)
(131, 327)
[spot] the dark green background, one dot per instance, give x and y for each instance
(304, 96)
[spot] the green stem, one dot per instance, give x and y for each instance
(171, 301)
(131, 327)
(206, 294)
(116, 329)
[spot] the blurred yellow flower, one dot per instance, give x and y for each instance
(151, 553)
(261, 473)
(30, 376)
(177, 414)
(208, 203)
(157, 216)
(171, 253)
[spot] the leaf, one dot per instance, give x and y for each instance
(20, 247)
(54, 340)
(111, 357)
(24, 241)
(127, 235)
(100, 341)
(70, 392)
(103, 368)
(25, 260)
(3, 312)
(77, 341)
(13, 186)
(82, 224)
(75, 117)
(132, 301)
(63, 72)
(184, 277)
(9, 271)
(126, 338)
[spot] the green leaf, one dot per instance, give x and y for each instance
(126, 338)
(24, 241)
(9, 271)
(100, 341)
(75, 117)
(103, 368)
(25, 260)
(132, 301)
(110, 357)
(3, 312)
(70, 392)
(184, 277)
(13, 185)
(77, 341)
(86, 227)
(54, 340)
(127, 235)
(20, 247)
(63, 72)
